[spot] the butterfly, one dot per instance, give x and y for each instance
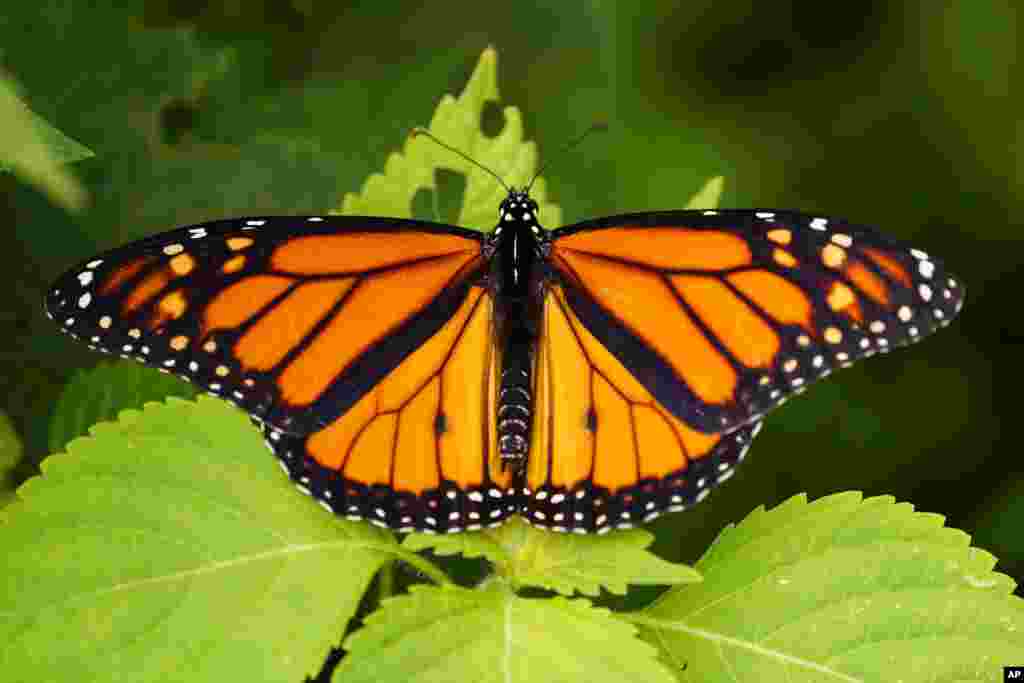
(430, 378)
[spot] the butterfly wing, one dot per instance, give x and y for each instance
(605, 454)
(340, 334)
(290, 318)
(721, 315)
(419, 450)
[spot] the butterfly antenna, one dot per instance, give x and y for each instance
(599, 125)
(426, 133)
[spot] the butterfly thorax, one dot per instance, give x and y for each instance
(517, 281)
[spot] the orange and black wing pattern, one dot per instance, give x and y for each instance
(722, 315)
(368, 350)
(605, 453)
(342, 335)
(418, 451)
(667, 336)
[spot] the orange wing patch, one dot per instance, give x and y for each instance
(423, 424)
(744, 333)
(779, 297)
(868, 282)
(841, 299)
(361, 251)
(594, 422)
(358, 324)
(241, 301)
(650, 309)
(676, 248)
(151, 285)
(891, 266)
(267, 342)
(123, 274)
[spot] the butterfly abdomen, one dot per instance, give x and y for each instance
(514, 416)
(517, 284)
(518, 339)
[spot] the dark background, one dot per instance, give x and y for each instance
(904, 115)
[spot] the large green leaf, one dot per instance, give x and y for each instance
(100, 393)
(455, 634)
(841, 589)
(167, 545)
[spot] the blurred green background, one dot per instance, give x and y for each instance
(904, 115)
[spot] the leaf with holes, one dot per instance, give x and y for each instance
(457, 122)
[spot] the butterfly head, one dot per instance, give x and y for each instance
(517, 206)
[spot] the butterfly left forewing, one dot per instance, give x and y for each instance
(275, 314)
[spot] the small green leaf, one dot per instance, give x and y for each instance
(168, 541)
(563, 563)
(10, 455)
(457, 122)
(584, 564)
(455, 634)
(841, 589)
(101, 393)
(708, 196)
(35, 151)
(482, 543)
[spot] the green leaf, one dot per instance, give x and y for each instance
(563, 563)
(170, 542)
(457, 122)
(10, 455)
(484, 543)
(708, 196)
(585, 564)
(101, 393)
(841, 589)
(35, 151)
(455, 634)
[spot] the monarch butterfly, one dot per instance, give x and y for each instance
(431, 378)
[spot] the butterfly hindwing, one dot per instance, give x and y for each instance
(418, 450)
(605, 454)
(722, 315)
